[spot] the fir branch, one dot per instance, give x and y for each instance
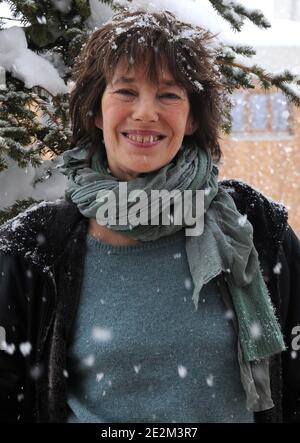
(36, 99)
(19, 206)
(281, 81)
(236, 13)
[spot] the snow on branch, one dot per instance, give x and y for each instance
(26, 65)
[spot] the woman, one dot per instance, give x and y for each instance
(112, 312)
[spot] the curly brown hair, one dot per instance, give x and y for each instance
(150, 39)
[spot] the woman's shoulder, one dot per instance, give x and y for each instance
(40, 230)
(268, 217)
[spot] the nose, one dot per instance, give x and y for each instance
(145, 109)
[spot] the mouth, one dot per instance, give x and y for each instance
(144, 141)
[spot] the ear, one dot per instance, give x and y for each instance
(99, 121)
(190, 126)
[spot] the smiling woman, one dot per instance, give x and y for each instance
(164, 51)
(141, 320)
(143, 126)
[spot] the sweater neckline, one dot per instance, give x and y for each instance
(144, 246)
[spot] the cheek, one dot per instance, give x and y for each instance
(177, 119)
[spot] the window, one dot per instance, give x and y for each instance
(281, 113)
(260, 114)
(258, 111)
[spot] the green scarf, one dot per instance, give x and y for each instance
(224, 247)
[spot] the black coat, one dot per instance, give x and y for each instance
(41, 264)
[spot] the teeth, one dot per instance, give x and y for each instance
(143, 139)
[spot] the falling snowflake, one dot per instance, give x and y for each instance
(41, 20)
(182, 371)
(229, 314)
(293, 355)
(99, 376)
(171, 218)
(210, 380)
(242, 220)
(36, 372)
(89, 360)
(101, 334)
(28, 273)
(25, 348)
(10, 349)
(255, 330)
(20, 397)
(277, 268)
(177, 255)
(187, 283)
(137, 368)
(41, 239)
(65, 373)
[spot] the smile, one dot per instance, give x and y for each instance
(143, 140)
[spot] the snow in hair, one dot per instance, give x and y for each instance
(146, 20)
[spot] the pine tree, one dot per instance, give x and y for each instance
(34, 122)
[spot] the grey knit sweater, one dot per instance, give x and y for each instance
(140, 350)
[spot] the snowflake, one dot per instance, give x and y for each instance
(242, 220)
(28, 273)
(277, 268)
(182, 371)
(293, 355)
(35, 372)
(210, 380)
(10, 349)
(255, 330)
(89, 360)
(187, 283)
(101, 334)
(25, 348)
(99, 376)
(137, 368)
(41, 239)
(229, 314)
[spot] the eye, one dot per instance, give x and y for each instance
(125, 92)
(170, 96)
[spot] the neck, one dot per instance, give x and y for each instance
(109, 236)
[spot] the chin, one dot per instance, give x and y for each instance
(140, 168)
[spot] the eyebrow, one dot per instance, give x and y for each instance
(125, 79)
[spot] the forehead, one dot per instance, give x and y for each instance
(129, 73)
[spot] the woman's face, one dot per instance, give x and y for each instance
(143, 123)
